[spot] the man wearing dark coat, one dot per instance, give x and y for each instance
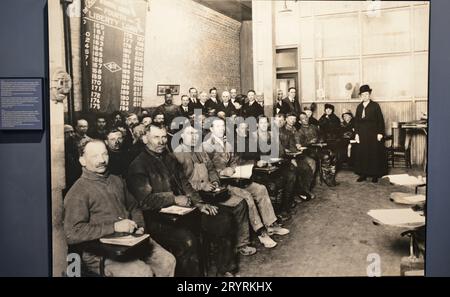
(290, 103)
(170, 110)
(370, 153)
(212, 104)
(194, 102)
(186, 108)
(277, 108)
(253, 108)
(226, 106)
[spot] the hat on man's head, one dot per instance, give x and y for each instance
(68, 128)
(291, 114)
(330, 106)
(347, 111)
(364, 88)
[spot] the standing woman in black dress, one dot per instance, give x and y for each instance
(370, 155)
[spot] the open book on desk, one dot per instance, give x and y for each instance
(241, 172)
(125, 240)
(177, 210)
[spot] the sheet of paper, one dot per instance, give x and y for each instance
(177, 210)
(243, 172)
(405, 179)
(407, 198)
(403, 217)
(127, 240)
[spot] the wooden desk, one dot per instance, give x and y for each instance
(117, 252)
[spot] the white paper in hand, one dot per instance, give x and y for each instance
(242, 172)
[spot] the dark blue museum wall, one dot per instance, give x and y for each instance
(24, 184)
(438, 205)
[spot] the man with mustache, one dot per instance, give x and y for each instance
(157, 180)
(168, 109)
(99, 205)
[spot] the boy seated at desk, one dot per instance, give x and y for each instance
(262, 216)
(98, 205)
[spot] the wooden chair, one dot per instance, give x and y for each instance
(400, 146)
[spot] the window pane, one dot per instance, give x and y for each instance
(421, 75)
(421, 27)
(306, 38)
(329, 7)
(286, 59)
(339, 78)
(387, 32)
(337, 36)
(307, 90)
(389, 77)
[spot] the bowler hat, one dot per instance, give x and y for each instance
(365, 88)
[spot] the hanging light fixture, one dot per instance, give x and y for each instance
(285, 8)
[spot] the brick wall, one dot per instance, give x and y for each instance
(186, 44)
(190, 45)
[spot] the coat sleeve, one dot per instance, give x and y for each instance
(357, 118)
(212, 173)
(380, 120)
(77, 227)
(132, 206)
(139, 186)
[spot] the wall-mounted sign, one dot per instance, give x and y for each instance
(113, 54)
(21, 103)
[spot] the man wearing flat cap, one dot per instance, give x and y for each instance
(370, 153)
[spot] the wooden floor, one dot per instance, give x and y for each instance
(332, 235)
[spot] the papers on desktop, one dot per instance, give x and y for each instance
(407, 198)
(177, 210)
(403, 217)
(126, 240)
(405, 179)
(242, 172)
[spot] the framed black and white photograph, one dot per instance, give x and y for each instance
(300, 147)
(163, 89)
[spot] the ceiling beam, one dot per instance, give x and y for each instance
(235, 9)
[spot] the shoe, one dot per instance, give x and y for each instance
(374, 179)
(299, 198)
(284, 216)
(361, 178)
(310, 195)
(228, 274)
(267, 241)
(277, 230)
(247, 250)
(292, 211)
(304, 197)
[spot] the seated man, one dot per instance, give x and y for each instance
(308, 135)
(261, 213)
(202, 175)
(137, 146)
(156, 180)
(118, 158)
(99, 205)
(304, 165)
(292, 176)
